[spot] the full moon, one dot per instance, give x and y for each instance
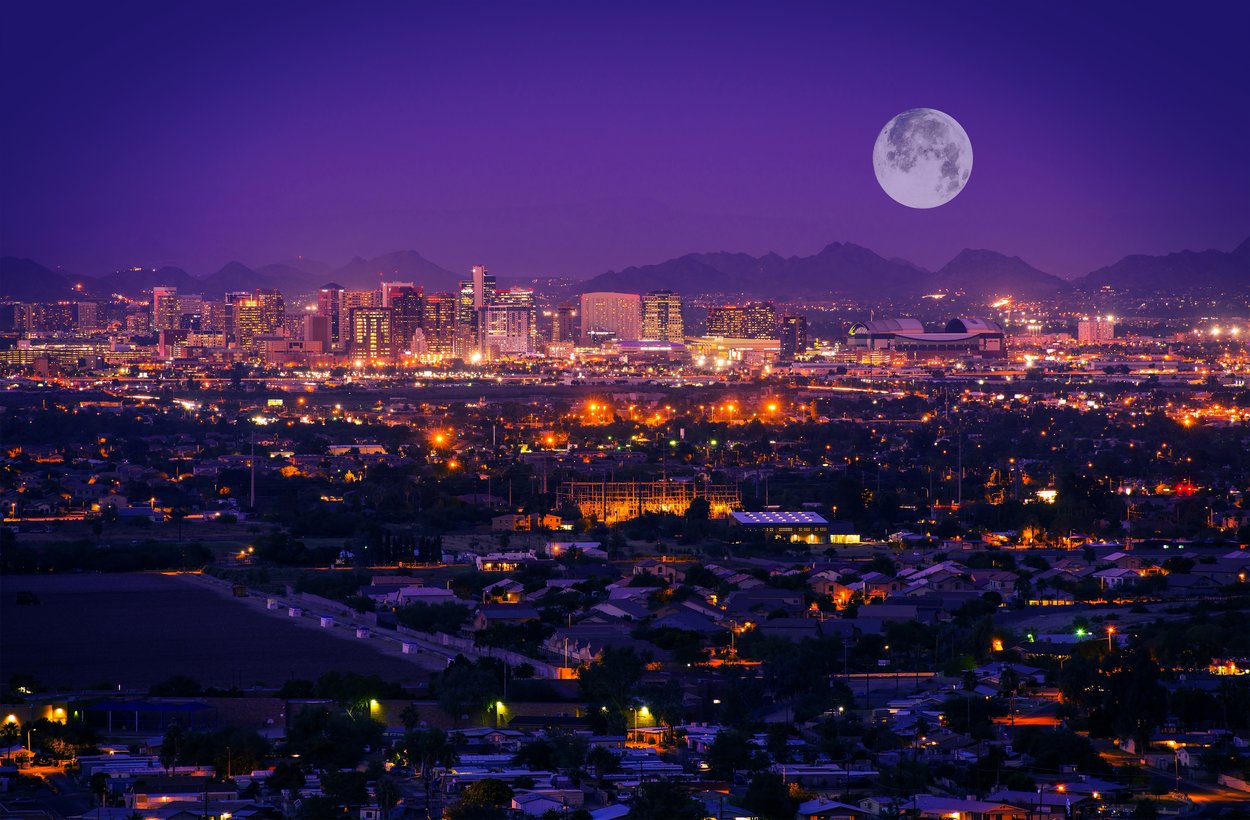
(922, 158)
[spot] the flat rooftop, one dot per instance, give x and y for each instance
(774, 518)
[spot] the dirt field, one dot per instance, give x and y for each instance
(139, 628)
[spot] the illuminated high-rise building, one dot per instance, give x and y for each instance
(387, 291)
(249, 321)
(793, 337)
(49, 317)
(661, 317)
(192, 303)
(464, 303)
(317, 333)
(191, 312)
(607, 316)
(405, 300)
(330, 305)
(438, 323)
(564, 324)
(88, 316)
(252, 315)
(273, 309)
(483, 287)
(1095, 329)
(521, 299)
(757, 320)
(233, 298)
(213, 319)
(466, 320)
(507, 329)
(372, 333)
(165, 308)
(355, 299)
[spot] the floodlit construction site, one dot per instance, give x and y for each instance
(615, 501)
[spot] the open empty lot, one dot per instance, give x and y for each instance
(135, 629)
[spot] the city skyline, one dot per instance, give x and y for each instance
(332, 132)
(479, 410)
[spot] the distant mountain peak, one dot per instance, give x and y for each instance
(1243, 250)
(992, 273)
(234, 266)
(1190, 269)
(839, 267)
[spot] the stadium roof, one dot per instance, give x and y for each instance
(967, 325)
(888, 326)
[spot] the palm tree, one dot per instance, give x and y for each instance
(969, 684)
(428, 750)
(1009, 684)
(388, 794)
(410, 717)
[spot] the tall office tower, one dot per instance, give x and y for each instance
(507, 329)
(793, 337)
(661, 317)
(372, 333)
(564, 324)
(761, 320)
(757, 320)
(213, 320)
(192, 303)
(521, 299)
(607, 316)
(233, 298)
(139, 322)
(330, 305)
(483, 287)
(249, 320)
(405, 300)
(1095, 330)
(353, 299)
(191, 312)
(438, 323)
(387, 289)
(273, 309)
(165, 308)
(49, 317)
(466, 320)
(88, 316)
(317, 333)
(464, 303)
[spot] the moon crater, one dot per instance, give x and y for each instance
(922, 158)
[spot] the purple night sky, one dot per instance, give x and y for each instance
(567, 139)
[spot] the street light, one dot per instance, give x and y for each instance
(638, 710)
(1110, 632)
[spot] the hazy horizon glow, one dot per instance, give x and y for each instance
(568, 139)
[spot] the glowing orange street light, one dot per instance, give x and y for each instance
(1110, 632)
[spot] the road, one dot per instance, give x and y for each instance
(56, 796)
(1207, 798)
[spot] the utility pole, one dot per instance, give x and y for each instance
(252, 464)
(959, 475)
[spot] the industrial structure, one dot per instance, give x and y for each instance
(613, 501)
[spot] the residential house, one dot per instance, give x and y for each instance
(491, 614)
